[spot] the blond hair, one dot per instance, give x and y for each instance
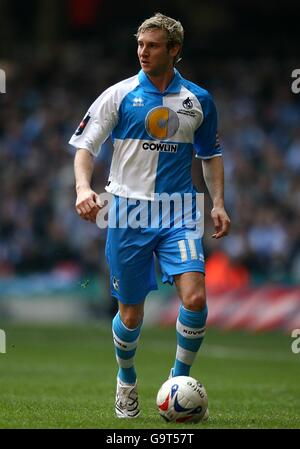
(172, 27)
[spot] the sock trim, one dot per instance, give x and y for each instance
(124, 345)
(125, 363)
(189, 332)
(185, 356)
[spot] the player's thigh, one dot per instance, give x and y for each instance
(130, 258)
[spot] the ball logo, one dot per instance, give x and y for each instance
(173, 390)
(161, 123)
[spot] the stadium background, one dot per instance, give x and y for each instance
(58, 56)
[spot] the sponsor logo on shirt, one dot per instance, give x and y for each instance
(161, 123)
(160, 146)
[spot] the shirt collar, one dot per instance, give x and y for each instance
(173, 88)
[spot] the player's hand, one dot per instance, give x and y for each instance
(221, 222)
(88, 205)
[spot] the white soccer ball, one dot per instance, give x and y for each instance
(182, 399)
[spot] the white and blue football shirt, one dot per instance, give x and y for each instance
(154, 134)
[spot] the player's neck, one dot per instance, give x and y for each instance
(161, 82)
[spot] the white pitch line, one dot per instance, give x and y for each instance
(248, 354)
(230, 352)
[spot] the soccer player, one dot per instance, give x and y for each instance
(157, 120)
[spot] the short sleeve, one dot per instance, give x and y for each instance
(97, 124)
(206, 140)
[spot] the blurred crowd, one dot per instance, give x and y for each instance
(46, 99)
(260, 118)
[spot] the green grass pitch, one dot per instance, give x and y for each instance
(64, 377)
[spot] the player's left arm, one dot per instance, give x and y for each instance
(213, 173)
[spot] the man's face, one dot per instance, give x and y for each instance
(153, 54)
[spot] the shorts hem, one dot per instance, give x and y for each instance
(166, 277)
(139, 301)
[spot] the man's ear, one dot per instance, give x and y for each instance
(175, 50)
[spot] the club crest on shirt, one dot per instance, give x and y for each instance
(187, 104)
(82, 125)
(188, 108)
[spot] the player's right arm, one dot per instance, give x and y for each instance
(87, 201)
(93, 130)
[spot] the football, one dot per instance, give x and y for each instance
(182, 399)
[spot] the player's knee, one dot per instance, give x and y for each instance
(132, 320)
(195, 301)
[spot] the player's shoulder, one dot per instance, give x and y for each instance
(201, 93)
(122, 87)
(114, 94)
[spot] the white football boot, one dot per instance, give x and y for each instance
(127, 405)
(171, 373)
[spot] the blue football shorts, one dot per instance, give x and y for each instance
(131, 254)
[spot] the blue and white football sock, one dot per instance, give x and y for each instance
(190, 331)
(125, 341)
